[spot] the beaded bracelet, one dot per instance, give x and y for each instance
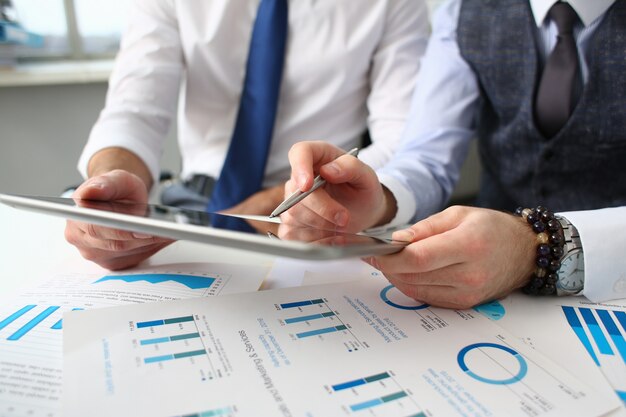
(550, 244)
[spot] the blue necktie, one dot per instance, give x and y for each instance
(244, 167)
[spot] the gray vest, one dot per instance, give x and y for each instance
(584, 166)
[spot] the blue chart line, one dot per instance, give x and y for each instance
(213, 413)
(33, 323)
(378, 401)
(577, 327)
(309, 317)
(19, 313)
(523, 366)
(169, 339)
(169, 357)
(321, 331)
(360, 381)
(301, 303)
(59, 324)
(190, 281)
(163, 322)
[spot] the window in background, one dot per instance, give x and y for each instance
(46, 18)
(100, 24)
(74, 29)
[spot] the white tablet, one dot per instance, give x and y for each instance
(254, 233)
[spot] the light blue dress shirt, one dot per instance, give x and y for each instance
(425, 169)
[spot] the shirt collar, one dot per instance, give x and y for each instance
(588, 10)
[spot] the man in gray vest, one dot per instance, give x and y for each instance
(541, 84)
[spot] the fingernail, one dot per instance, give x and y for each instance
(406, 235)
(97, 184)
(341, 219)
(141, 236)
(302, 178)
(332, 166)
(373, 262)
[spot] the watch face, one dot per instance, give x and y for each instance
(572, 272)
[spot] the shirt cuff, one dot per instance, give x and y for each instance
(140, 149)
(605, 265)
(404, 202)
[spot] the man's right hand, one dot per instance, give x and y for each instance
(112, 248)
(351, 200)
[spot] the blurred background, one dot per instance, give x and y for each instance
(53, 81)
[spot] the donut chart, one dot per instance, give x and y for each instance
(396, 299)
(474, 373)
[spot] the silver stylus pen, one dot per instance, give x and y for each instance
(298, 196)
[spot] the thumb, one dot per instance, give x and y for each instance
(433, 225)
(113, 185)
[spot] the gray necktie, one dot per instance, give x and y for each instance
(554, 100)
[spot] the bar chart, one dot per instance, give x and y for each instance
(315, 319)
(375, 395)
(602, 332)
(217, 412)
(177, 344)
(23, 321)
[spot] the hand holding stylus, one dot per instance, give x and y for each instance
(352, 198)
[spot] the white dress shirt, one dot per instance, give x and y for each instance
(350, 65)
(441, 125)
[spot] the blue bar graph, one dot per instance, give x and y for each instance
(154, 323)
(621, 317)
(169, 339)
(301, 303)
(59, 324)
(19, 313)
(32, 323)
(596, 332)
(616, 336)
(320, 331)
(360, 381)
(173, 356)
(309, 317)
(572, 319)
(378, 401)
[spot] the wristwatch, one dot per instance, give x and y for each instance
(571, 274)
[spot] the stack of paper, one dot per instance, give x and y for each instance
(358, 348)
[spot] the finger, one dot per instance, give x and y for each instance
(435, 224)
(115, 185)
(122, 246)
(438, 296)
(106, 233)
(347, 169)
(302, 215)
(129, 260)
(429, 254)
(304, 157)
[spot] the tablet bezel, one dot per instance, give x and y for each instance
(208, 235)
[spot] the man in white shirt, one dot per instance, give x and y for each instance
(349, 66)
(481, 77)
